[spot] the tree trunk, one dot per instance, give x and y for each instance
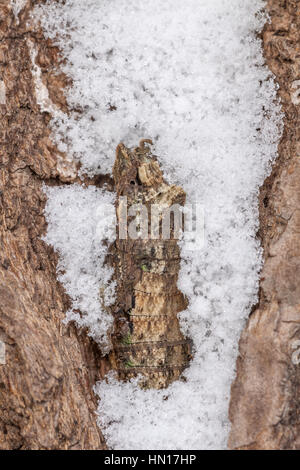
(264, 408)
(47, 371)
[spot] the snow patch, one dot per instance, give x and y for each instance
(2, 353)
(66, 165)
(2, 92)
(79, 220)
(17, 7)
(41, 90)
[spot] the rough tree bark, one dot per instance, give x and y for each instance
(46, 398)
(264, 408)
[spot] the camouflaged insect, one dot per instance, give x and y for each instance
(147, 339)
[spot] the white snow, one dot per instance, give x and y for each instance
(78, 223)
(66, 166)
(191, 76)
(17, 7)
(2, 92)
(41, 91)
(2, 353)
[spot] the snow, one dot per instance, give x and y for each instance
(2, 92)
(17, 6)
(79, 220)
(2, 353)
(191, 76)
(41, 90)
(66, 166)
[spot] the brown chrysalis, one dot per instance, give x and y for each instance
(147, 339)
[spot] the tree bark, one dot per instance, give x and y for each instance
(264, 408)
(48, 372)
